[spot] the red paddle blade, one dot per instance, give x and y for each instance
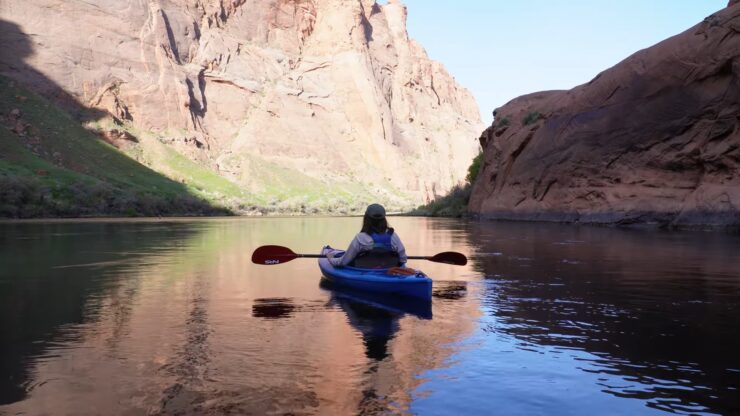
(273, 255)
(450, 257)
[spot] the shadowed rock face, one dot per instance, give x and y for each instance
(654, 139)
(333, 89)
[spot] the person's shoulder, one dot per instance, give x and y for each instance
(395, 237)
(363, 238)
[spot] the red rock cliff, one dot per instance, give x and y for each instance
(654, 139)
(332, 90)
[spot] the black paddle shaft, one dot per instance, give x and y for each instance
(271, 254)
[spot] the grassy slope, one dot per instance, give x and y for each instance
(272, 188)
(291, 189)
(198, 179)
(58, 164)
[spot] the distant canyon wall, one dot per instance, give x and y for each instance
(333, 90)
(653, 140)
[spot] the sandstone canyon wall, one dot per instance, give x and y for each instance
(308, 95)
(653, 140)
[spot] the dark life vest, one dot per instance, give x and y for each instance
(381, 256)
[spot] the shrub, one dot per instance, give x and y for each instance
(531, 117)
(18, 195)
(454, 204)
(474, 168)
(23, 197)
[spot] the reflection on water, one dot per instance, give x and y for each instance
(55, 277)
(383, 303)
(376, 319)
(273, 308)
(376, 325)
(657, 313)
(171, 317)
(450, 290)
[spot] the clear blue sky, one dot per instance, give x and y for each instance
(501, 49)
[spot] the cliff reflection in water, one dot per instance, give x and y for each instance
(171, 317)
(55, 277)
(658, 313)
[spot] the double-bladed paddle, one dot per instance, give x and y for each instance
(269, 255)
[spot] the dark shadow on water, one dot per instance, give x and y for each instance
(374, 316)
(53, 279)
(399, 305)
(273, 308)
(658, 312)
(451, 290)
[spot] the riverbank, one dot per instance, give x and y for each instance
(455, 205)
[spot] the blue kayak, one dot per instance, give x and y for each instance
(417, 285)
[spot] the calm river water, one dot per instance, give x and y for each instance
(170, 317)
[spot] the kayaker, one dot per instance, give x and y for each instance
(376, 245)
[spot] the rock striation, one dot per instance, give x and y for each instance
(653, 140)
(260, 91)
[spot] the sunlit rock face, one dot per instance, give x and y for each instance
(332, 89)
(653, 140)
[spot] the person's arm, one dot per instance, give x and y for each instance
(349, 255)
(398, 245)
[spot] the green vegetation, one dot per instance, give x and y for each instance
(298, 192)
(52, 166)
(198, 180)
(32, 187)
(474, 168)
(28, 197)
(503, 122)
(531, 117)
(455, 203)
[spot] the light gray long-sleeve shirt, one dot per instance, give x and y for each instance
(363, 242)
